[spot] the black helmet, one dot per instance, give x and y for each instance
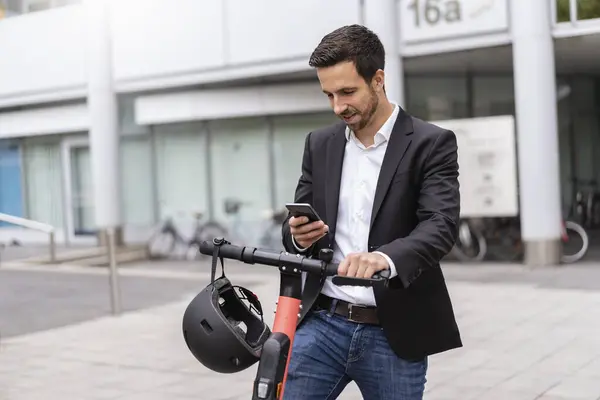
(213, 327)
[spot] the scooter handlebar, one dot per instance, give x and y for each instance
(253, 255)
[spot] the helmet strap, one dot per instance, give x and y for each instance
(253, 300)
(215, 255)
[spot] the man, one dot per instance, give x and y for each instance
(386, 186)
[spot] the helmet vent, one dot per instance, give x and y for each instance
(206, 326)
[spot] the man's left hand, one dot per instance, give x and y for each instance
(362, 265)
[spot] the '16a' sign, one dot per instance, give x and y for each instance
(434, 11)
(440, 19)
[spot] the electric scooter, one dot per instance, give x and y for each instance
(275, 355)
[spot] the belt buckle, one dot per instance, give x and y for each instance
(350, 308)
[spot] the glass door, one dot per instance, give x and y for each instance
(11, 190)
(82, 200)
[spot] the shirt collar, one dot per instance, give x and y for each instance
(384, 133)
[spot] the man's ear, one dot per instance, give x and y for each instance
(378, 80)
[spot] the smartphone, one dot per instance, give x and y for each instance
(303, 210)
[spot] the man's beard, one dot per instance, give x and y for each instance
(365, 116)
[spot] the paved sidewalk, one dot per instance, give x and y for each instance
(522, 342)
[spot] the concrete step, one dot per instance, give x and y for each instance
(64, 255)
(123, 256)
(93, 256)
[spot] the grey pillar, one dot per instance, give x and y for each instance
(537, 130)
(103, 113)
(381, 17)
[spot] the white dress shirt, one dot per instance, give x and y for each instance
(360, 172)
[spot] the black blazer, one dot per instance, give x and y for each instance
(414, 222)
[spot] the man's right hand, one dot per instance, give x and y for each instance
(304, 233)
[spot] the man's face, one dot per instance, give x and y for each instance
(351, 98)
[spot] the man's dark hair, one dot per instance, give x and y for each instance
(353, 43)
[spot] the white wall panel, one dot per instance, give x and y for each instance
(261, 30)
(42, 52)
(230, 103)
(156, 37)
(47, 120)
(164, 43)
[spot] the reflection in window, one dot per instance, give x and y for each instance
(437, 98)
(493, 95)
(440, 98)
(586, 9)
(60, 3)
(9, 8)
(563, 13)
(40, 5)
(240, 162)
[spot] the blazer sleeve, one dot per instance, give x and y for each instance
(438, 211)
(304, 194)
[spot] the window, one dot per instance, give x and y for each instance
(60, 3)
(137, 192)
(289, 135)
(9, 8)
(43, 177)
(36, 5)
(493, 95)
(29, 6)
(437, 98)
(586, 9)
(239, 155)
(182, 174)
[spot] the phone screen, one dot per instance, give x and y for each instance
(303, 210)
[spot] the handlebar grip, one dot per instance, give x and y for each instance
(331, 269)
(226, 250)
(381, 276)
(206, 247)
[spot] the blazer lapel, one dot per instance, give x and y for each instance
(396, 149)
(335, 158)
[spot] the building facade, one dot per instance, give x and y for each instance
(122, 113)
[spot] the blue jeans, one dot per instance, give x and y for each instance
(329, 352)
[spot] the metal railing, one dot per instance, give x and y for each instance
(35, 225)
(115, 295)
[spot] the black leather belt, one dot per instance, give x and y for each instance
(353, 312)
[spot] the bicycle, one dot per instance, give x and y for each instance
(273, 361)
(163, 241)
(470, 245)
(502, 239)
(580, 231)
(271, 237)
(268, 237)
(586, 203)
